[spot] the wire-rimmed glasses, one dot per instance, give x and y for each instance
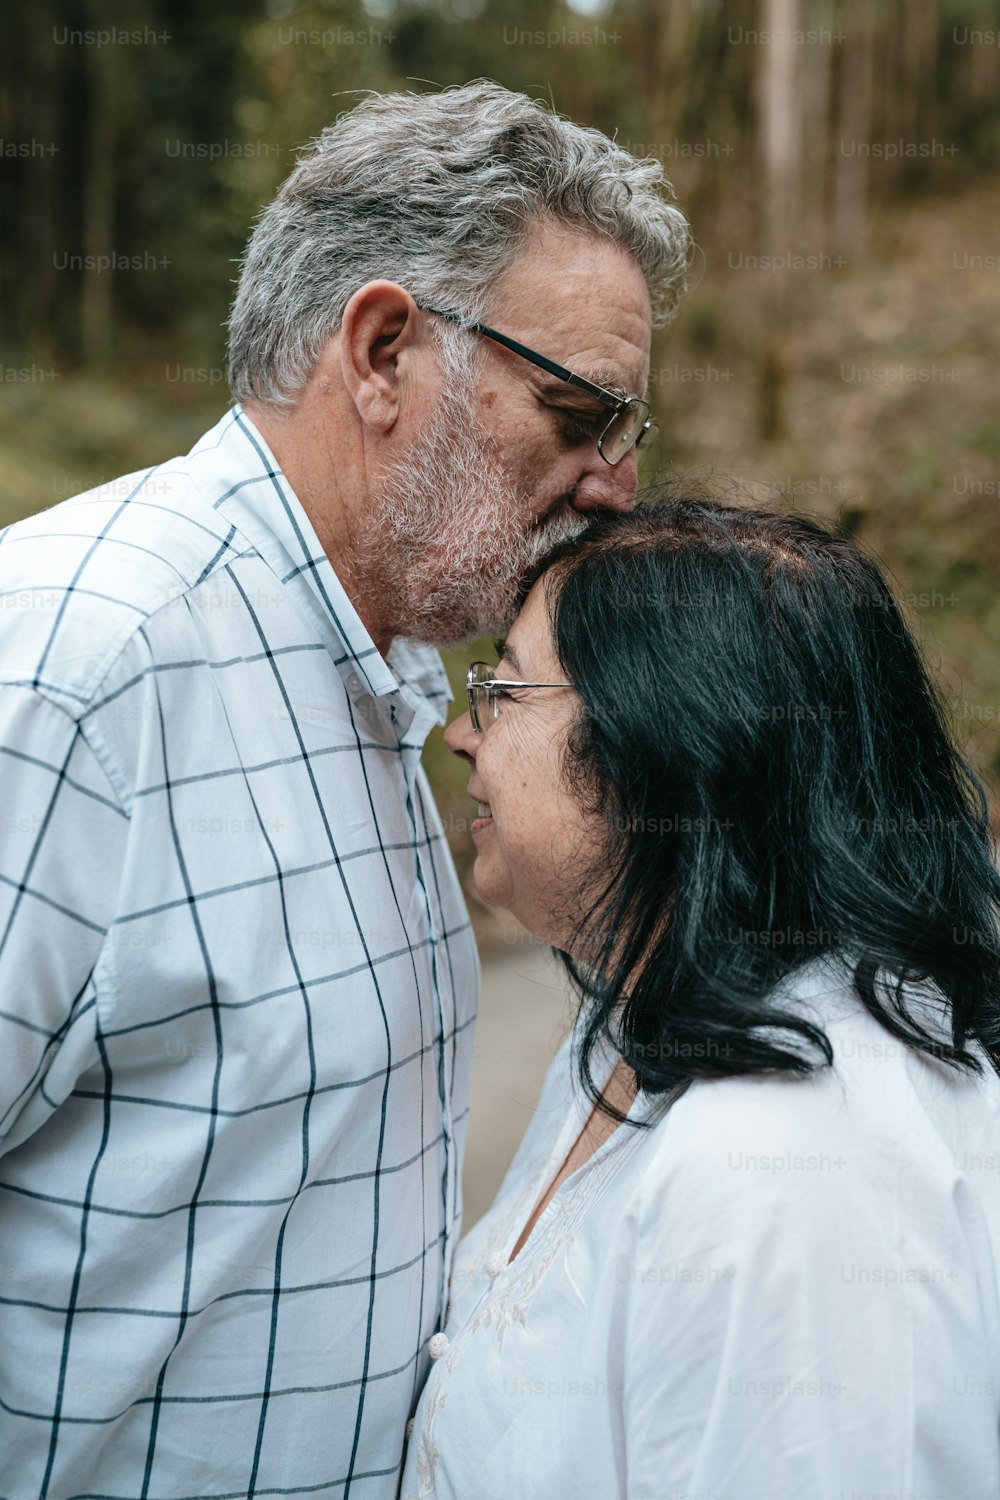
(629, 426)
(485, 691)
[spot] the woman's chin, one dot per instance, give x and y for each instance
(499, 897)
(529, 920)
(486, 889)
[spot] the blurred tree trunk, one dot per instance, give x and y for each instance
(915, 98)
(29, 160)
(97, 304)
(39, 234)
(982, 73)
(662, 44)
(780, 113)
(780, 107)
(854, 127)
(816, 92)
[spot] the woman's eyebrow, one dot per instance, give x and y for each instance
(505, 651)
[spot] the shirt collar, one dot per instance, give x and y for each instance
(241, 478)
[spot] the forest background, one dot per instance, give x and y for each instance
(837, 353)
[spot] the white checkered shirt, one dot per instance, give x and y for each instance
(237, 987)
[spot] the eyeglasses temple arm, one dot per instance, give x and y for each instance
(549, 365)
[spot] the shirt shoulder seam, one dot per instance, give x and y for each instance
(53, 693)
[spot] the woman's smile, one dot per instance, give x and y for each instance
(485, 811)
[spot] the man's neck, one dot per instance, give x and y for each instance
(326, 484)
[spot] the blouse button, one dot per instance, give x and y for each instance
(437, 1344)
(494, 1265)
(410, 1426)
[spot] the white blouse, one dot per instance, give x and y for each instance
(784, 1288)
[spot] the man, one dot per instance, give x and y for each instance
(237, 980)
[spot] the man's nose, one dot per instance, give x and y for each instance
(462, 740)
(604, 486)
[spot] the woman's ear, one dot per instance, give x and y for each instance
(378, 327)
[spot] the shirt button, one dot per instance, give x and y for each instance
(437, 1344)
(410, 1426)
(494, 1265)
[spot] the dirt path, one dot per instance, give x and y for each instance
(525, 1011)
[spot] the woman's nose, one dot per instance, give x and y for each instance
(462, 740)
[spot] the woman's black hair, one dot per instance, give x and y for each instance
(770, 758)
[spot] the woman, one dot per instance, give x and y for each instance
(749, 1247)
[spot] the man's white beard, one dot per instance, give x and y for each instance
(444, 541)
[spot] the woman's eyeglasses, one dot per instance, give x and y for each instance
(485, 691)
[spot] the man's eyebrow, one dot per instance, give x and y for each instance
(552, 389)
(505, 651)
(606, 378)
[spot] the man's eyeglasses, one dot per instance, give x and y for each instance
(485, 691)
(629, 425)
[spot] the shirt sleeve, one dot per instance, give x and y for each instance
(769, 1343)
(63, 833)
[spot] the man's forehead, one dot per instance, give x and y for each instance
(586, 296)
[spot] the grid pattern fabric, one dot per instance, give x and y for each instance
(237, 988)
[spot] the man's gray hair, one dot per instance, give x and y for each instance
(437, 192)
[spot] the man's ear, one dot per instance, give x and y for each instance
(379, 325)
